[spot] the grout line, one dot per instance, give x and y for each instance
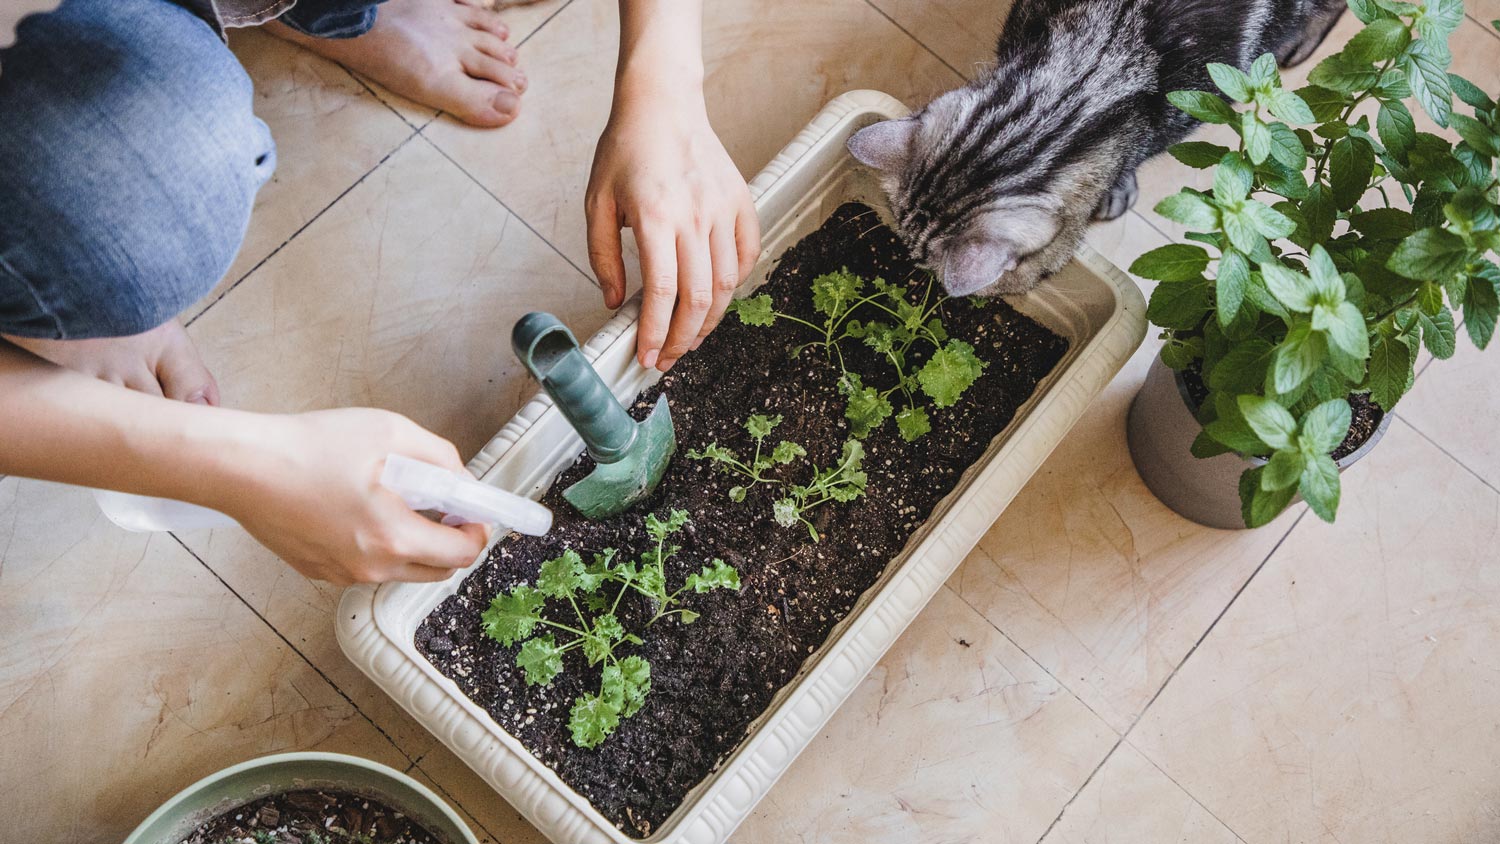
(919, 42)
(1006, 636)
(300, 229)
(522, 220)
(1450, 455)
(294, 648)
(1064, 810)
(1190, 795)
(1215, 623)
(1482, 25)
(455, 801)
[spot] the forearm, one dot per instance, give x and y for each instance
(59, 425)
(661, 49)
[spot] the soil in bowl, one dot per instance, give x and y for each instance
(712, 678)
(312, 817)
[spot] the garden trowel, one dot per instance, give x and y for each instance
(631, 456)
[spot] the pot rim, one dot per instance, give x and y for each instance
(1343, 462)
(173, 804)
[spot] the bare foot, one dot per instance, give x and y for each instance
(162, 362)
(447, 54)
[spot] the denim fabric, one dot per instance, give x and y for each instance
(129, 163)
(331, 18)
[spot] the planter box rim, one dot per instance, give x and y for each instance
(1091, 302)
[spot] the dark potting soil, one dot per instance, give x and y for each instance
(1365, 414)
(312, 817)
(710, 679)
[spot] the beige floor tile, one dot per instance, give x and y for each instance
(402, 297)
(1483, 11)
(1349, 694)
(1456, 402)
(129, 672)
(539, 165)
(955, 736)
(329, 132)
(963, 33)
(1130, 801)
(1087, 571)
(492, 819)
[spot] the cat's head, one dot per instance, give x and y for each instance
(988, 190)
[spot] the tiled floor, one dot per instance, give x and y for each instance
(1128, 676)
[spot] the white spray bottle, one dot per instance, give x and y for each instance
(422, 486)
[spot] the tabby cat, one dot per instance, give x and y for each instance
(993, 184)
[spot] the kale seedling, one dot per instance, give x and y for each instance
(893, 326)
(521, 615)
(842, 482)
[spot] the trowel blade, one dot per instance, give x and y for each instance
(613, 488)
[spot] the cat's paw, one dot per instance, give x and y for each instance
(1118, 199)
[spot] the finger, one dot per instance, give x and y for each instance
(444, 547)
(721, 248)
(604, 249)
(658, 246)
(695, 295)
(428, 447)
(747, 236)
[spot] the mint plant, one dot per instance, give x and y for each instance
(893, 326)
(523, 614)
(1329, 249)
(843, 482)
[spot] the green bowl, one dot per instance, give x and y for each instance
(239, 784)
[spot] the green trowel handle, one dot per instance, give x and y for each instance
(551, 354)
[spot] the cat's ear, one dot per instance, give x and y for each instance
(976, 262)
(885, 145)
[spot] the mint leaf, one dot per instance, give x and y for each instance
(1482, 305)
(1470, 93)
(1350, 164)
(1344, 74)
(1427, 71)
(754, 310)
(1189, 209)
(1257, 137)
(1179, 305)
(1283, 470)
(1431, 254)
(1243, 368)
(1297, 358)
(913, 423)
(1391, 370)
(1291, 288)
(1320, 486)
(1397, 129)
(1273, 423)
(512, 616)
(949, 372)
(1380, 41)
(540, 659)
(1174, 262)
(1324, 104)
(1325, 426)
(1231, 80)
(1202, 105)
(1345, 327)
(1259, 506)
(1199, 155)
(1439, 334)
(1289, 106)
(1230, 286)
(1233, 180)
(1268, 221)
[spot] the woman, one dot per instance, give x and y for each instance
(129, 162)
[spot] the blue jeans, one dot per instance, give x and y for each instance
(129, 162)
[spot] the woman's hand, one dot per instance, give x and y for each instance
(660, 170)
(312, 494)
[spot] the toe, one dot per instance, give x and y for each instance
(488, 105)
(182, 374)
(487, 21)
(496, 47)
(482, 66)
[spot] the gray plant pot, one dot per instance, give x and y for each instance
(1160, 430)
(239, 784)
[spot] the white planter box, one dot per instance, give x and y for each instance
(1091, 303)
